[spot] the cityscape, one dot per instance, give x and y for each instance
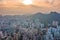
(29, 19)
(31, 27)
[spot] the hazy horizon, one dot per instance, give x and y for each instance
(16, 7)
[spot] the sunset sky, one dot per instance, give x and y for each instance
(12, 7)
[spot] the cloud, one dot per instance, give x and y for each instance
(44, 6)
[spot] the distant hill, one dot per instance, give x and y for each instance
(35, 18)
(53, 16)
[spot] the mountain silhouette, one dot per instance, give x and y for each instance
(38, 17)
(53, 16)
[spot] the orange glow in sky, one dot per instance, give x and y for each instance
(27, 2)
(29, 6)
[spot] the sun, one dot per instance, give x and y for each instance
(27, 2)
